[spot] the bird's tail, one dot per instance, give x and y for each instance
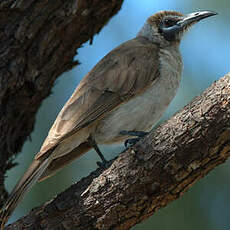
(60, 162)
(25, 183)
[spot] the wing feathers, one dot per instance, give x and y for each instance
(119, 76)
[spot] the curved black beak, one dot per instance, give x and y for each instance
(184, 22)
(195, 17)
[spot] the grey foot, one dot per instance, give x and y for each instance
(103, 164)
(133, 141)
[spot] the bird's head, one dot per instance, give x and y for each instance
(167, 27)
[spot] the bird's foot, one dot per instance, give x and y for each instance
(103, 164)
(132, 141)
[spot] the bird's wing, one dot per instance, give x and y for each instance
(122, 74)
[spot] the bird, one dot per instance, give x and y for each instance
(124, 95)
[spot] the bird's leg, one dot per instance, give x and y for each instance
(137, 134)
(98, 151)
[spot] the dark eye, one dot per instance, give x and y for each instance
(168, 22)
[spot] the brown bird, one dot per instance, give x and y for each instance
(126, 92)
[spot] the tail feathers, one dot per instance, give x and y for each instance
(64, 160)
(27, 181)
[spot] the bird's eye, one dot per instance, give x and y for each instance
(168, 22)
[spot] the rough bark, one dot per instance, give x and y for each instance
(38, 40)
(149, 175)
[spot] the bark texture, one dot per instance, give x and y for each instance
(149, 175)
(38, 40)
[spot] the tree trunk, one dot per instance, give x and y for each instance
(38, 40)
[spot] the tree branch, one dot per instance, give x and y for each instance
(38, 42)
(149, 175)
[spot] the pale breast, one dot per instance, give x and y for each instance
(142, 112)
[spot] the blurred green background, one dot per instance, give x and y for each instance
(205, 50)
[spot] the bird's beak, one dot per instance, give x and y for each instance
(185, 22)
(193, 18)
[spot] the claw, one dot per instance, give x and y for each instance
(103, 164)
(133, 141)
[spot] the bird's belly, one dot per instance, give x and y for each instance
(138, 114)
